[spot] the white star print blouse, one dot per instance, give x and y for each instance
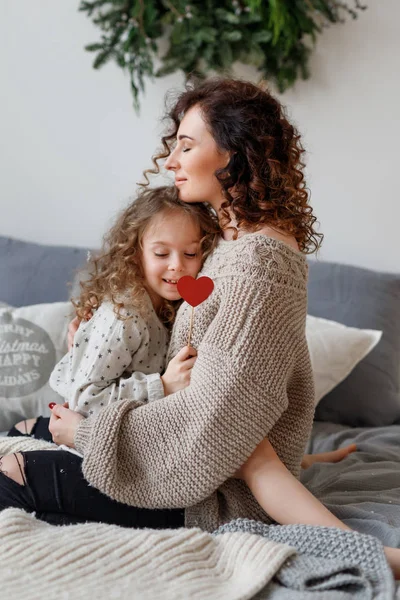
(113, 359)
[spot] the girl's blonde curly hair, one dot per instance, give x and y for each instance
(116, 272)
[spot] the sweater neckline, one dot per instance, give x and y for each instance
(264, 237)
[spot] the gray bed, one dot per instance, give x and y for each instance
(364, 489)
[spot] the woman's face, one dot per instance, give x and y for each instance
(194, 161)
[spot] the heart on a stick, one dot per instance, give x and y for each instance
(195, 291)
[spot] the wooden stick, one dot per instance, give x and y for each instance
(191, 326)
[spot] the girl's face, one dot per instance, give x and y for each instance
(170, 250)
(194, 161)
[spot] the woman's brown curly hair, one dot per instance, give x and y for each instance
(116, 273)
(263, 184)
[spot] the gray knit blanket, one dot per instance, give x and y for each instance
(329, 564)
(243, 559)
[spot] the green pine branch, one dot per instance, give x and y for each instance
(276, 36)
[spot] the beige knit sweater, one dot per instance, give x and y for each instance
(252, 379)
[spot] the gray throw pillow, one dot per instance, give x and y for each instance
(33, 273)
(356, 297)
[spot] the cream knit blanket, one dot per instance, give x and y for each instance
(95, 560)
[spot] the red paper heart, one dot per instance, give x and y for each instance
(195, 291)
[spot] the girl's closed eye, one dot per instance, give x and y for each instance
(186, 254)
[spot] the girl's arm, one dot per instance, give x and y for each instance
(96, 373)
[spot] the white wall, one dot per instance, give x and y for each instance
(72, 147)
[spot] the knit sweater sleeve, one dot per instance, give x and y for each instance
(176, 451)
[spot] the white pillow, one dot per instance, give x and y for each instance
(32, 340)
(335, 350)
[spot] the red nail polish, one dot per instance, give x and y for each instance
(52, 404)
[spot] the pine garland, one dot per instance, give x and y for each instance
(276, 36)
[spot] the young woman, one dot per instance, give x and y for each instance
(251, 391)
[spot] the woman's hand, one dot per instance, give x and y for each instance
(63, 424)
(72, 329)
(177, 375)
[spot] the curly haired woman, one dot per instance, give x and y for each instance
(249, 407)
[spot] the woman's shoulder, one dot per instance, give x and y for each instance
(276, 234)
(262, 254)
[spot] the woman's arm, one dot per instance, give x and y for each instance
(176, 451)
(332, 456)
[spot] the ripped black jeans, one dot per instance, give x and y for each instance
(40, 430)
(58, 493)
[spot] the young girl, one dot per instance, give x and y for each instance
(132, 294)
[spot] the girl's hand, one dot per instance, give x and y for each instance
(63, 424)
(177, 375)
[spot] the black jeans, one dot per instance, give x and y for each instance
(40, 430)
(58, 493)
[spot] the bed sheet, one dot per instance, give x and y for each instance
(363, 490)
